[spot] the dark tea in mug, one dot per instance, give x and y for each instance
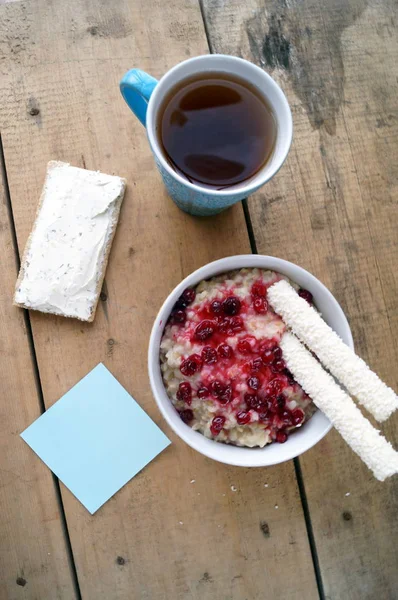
(216, 129)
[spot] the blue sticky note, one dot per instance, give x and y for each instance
(95, 438)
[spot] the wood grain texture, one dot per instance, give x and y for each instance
(333, 209)
(160, 537)
(34, 561)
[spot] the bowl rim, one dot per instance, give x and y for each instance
(228, 453)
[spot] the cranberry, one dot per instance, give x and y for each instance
(236, 324)
(306, 295)
(266, 345)
(186, 415)
(225, 325)
(216, 307)
(260, 305)
(281, 437)
(258, 289)
(256, 365)
(254, 402)
(217, 388)
(205, 330)
(281, 402)
(267, 357)
(209, 355)
(226, 396)
(190, 365)
(225, 351)
(278, 366)
(231, 325)
(251, 400)
(181, 304)
(231, 306)
(253, 383)
(244, 346)
(277, 353)
(274, 387)
(217, 424)
(264, 416)
(297, 416)
(243, 417)
(178, 316)
(286, 417)
(184, 392)
(274, 406)
(203, 392)
(188, 295)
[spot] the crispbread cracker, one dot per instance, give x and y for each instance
(28, 286)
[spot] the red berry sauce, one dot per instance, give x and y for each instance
(234, 370)
(306, 295)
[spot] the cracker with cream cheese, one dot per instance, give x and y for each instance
(66, 255)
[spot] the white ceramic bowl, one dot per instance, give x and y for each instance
(304, 438)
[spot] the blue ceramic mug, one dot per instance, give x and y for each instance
(144, 95)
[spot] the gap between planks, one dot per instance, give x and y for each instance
(296, 461)
(36, 373)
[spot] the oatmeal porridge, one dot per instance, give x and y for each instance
(222, 366)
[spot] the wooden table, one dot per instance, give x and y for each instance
(317, 527)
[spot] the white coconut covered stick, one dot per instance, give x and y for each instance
(336, 356)
(334, 402)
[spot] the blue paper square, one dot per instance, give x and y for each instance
(95, 438)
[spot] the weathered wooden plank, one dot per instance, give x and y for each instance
(333, 209)
(161, 536)
(34, 561)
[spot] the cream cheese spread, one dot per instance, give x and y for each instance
(67, 247)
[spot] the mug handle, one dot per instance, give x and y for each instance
(136, 88)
